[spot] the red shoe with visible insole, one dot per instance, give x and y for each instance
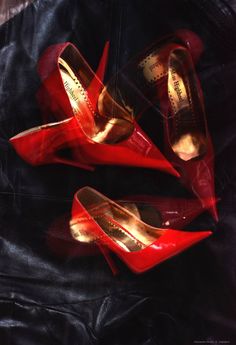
(47, 144)
(112, 227)
(187, 139)
(97, 132)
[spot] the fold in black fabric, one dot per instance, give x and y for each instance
(53, 291)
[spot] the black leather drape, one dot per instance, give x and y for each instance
(47, 298)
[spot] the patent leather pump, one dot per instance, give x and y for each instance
(97, 131)
(50, 143)
(163, 212)
(47, 144)
(112, 227)
(187, 139)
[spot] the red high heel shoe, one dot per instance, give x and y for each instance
(174, 213)
(46, 144)
(187, 139)
(161, 212)
(98, 219)
(108, 135)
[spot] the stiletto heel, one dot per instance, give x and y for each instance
(106, 253)
(96, 86)
(187, 139)
(45, 144)
(140, 246)
(106, 134)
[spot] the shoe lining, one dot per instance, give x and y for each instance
(122, 226)
(108, 122)
(188, 137)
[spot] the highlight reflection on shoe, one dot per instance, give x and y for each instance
(189, 146)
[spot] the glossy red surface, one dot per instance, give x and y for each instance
(168, 244)
(42, 146)
(191, 41)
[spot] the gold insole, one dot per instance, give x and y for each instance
(177, 91)
(102, 129)
(186, 145)
(187, 142)
(126, 229)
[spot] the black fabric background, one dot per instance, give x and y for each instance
(69, 299)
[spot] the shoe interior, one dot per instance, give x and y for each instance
(186, 123)
(136, 86)
(107, 122)
(147, 213)
(122, 224)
